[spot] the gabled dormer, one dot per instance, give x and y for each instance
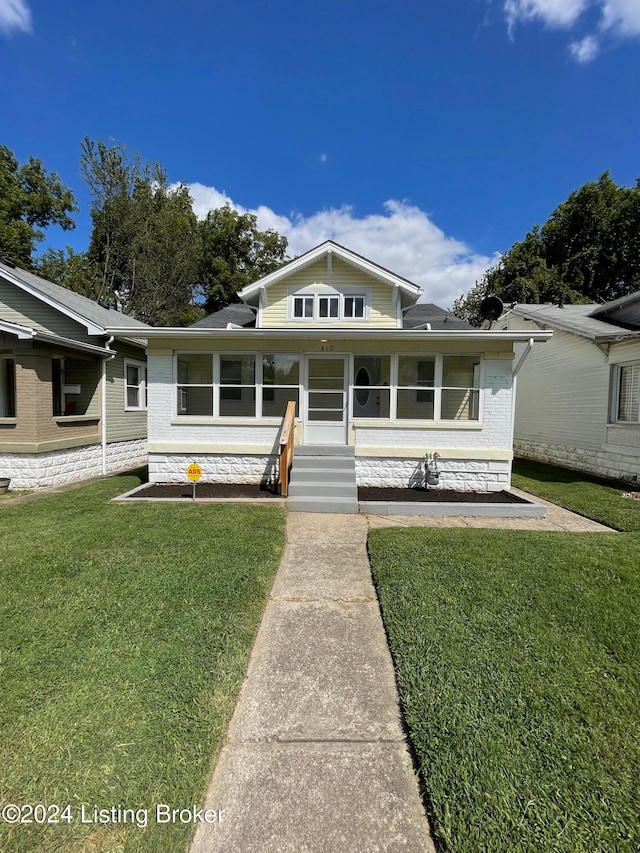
(330, 286)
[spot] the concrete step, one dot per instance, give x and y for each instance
(323, 450)
(322, 475)
(324, 489)
(308, 503)
(324, 463)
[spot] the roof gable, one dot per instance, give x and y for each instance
(328, 250)
(82, 310)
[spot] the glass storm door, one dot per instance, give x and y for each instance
(326, 400)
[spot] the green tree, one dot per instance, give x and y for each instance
(234, 254)
(69, 269)
(30, 199)
(587, 251)
(145, 242)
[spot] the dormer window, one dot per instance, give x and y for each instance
(354, 307)
(328, 306)
(303, 307)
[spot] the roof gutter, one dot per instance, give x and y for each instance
(329, 333)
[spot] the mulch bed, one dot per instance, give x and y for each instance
(253, 491)
(370, 493)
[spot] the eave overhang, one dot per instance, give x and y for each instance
(342, 333)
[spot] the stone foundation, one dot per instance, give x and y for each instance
(36, 470)
(216, 468)
(601, 463)
(461, 475)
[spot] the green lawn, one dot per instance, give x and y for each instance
(125, 632)
(601, 500)
(517, 657)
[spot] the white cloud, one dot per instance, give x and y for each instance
(554, 13)
(618, 18)
(621, 17)
(585, 50)
(14, 15)
(402, 238)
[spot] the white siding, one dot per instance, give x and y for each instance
(562, 394)
(382, 312)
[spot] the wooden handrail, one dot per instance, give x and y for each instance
(286, 447)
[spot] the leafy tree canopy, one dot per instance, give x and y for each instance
(234, 254)
(587, 251)
(30, 199)
(145, 244)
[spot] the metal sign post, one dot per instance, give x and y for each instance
(194, 472)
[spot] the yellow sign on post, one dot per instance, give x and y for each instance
(194, 472)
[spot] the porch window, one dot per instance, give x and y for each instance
(238, 386)
(135, 385)
(195, 384)
(371, 388)
(280, 383)
(628, 393)
(460, 399)
(416, 388)
(7, 388)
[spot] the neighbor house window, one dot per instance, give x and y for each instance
(7, 388)
(627, 408)
(416, 387)
(135, 379)
(460, 394)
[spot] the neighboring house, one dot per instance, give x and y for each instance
(366, 366)
(72, 398)
(578, 401)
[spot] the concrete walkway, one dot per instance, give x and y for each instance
(315, 758)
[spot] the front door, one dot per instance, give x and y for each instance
(326, 400)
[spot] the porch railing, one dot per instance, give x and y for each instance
(286, 447)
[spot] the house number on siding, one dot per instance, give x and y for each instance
(326, 348)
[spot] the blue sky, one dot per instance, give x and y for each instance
(428, 136)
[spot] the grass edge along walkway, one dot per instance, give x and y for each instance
(592, 497)
(125, 635)
(516, 657)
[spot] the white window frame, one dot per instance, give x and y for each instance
(141, 386)
(311, 292)
(217, 384)
(7, 395)
(615, 397)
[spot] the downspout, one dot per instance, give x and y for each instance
(514, 386)
(103, 406)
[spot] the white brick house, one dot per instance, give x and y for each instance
(366, 364)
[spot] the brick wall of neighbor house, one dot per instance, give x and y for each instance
(37, 470)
